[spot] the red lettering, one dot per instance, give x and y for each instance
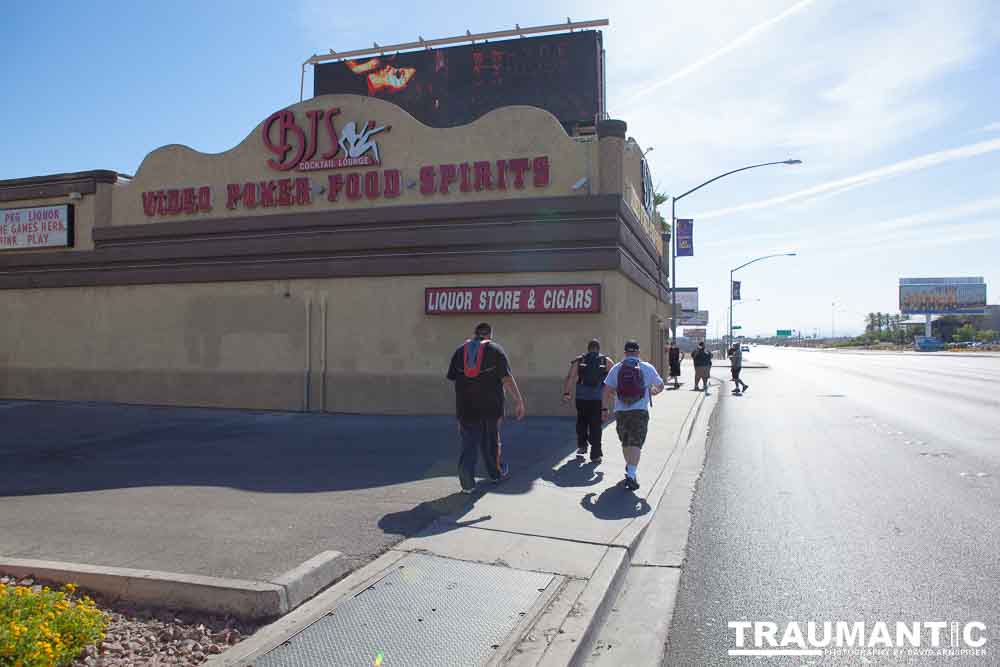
(372, 185)
(286, 124)
(540, 171)
(150, 202)
(313, 115)
(303, 194)
(427, 180)
(267, 194)
(336, 185)
(335, 148)
(353, 186)
(519, 166)
(483, 180)
(205, 198)
(233, 192)
(501, 174)
(391, 183)
(250, 195)
(285, 192)
(173, 201)
(449, 174)
(187, 200)
(466, 184)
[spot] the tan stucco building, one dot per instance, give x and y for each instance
(303, 269)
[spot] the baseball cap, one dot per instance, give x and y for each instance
(631, 346)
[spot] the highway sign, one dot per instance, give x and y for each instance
(737, 326)
(785, 332)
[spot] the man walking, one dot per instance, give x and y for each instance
(674, 356)
(736, 365)
(588, 372)
(702, 366)
(631, 383)
(481, 372)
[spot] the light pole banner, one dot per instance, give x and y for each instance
(736, 290)
(685, 237)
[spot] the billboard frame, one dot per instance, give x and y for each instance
(428, 44)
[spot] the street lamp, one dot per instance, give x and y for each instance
(732, 271)
(673, 245)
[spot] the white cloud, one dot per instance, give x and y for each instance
(742, 40)
(866, 178)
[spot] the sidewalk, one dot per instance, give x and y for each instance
(520, 578)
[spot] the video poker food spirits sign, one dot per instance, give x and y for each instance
(292, 144)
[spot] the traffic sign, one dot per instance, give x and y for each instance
(737, 326)
(785, 332)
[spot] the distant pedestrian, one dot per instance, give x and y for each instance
(736, 365)
(588, 372)
(702, 366)
(481, 372)
(674, 356)
(632, 382)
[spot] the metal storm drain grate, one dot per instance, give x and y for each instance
(429, 611)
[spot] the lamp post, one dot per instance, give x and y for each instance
(732, 271)
(673, 245)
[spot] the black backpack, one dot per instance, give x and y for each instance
(592, 368)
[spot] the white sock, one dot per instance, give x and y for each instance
(630, 470)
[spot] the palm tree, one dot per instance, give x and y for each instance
(870, 323)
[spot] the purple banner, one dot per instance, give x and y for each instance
(736, 290)
(685, 237)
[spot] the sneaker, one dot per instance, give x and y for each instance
(745, 387)
(631, 483)
(596, 460)
(581, 451)
(469, 491)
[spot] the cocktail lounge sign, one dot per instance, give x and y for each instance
(293, 144)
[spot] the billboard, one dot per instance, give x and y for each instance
(687, 298)
(698, 334)
(36, 227)
(561, 73)
(698, 318)
(942, 296)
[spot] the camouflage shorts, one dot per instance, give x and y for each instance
(631, 426)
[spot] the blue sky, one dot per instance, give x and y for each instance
(891, 106)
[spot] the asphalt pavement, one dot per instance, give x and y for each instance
(230, 493)
(846, 487)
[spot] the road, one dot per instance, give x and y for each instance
(846, 487)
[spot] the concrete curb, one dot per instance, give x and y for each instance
(243, 598)
(282, 629)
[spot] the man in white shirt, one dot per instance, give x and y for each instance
(632, 382)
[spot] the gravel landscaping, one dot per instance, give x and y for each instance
(142, 635)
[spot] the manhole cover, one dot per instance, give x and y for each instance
(429, 611)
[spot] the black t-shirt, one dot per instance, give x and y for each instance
(480, 397)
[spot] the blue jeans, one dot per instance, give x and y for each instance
(480, 435)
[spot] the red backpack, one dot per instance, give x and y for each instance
(473, 364)
(631, 383)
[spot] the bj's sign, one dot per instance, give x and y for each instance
(295, 146)
(513, 299)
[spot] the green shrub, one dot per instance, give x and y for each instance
(46, 628)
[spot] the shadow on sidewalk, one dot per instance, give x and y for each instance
(575, 472)
(428, 518)
(615, 503)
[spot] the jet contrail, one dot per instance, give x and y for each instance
(866, 178)
(732, 46)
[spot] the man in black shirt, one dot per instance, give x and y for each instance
(480, 370)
